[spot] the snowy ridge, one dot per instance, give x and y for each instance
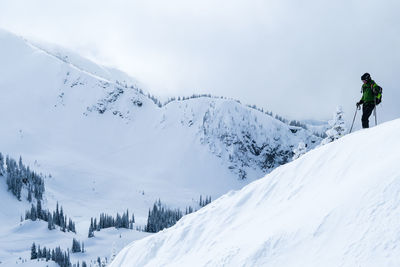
(337, 205)
(245, 138)
(109, 147)
(84, 65)
(250, 140)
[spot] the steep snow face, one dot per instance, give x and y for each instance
(246, 140)
(337, 205)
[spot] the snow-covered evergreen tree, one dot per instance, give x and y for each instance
(299, 151)
(132, 221)
(204, 202)
(33, 213)
(50, 222)
(91, 229)
(39, 252)
(48, 255)
(19, 177)
(161, 217)
(39, 209)
(29, 196)
(338, 128)
(106, 221)
(76, 246)
(39, 213)
(33, 252)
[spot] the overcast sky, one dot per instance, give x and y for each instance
(297, 58)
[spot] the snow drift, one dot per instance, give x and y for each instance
(337, 205)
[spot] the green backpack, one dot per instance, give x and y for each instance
(377, 90)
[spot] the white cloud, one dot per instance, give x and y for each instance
(297, 58)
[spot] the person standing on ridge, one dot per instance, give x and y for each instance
(371, 96)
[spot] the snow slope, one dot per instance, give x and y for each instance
(338, 205)
(92, 132)
(109, 147)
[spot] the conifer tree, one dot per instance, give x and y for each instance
(29, 196)
(76, 246)
(39, 209)
(90, 234)
(48, 255)
(39, 252)
(50, 223)
(33, 213)
(33, 251)
(57, 216)
(338, 128)
(61, 218)
(161, 217)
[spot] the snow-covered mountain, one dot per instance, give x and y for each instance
(109, 146)
(54, 106)
(337, 205)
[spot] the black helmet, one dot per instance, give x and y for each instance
(366, 77)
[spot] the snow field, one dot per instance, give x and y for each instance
(337, 205)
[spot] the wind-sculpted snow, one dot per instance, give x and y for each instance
(338, 205)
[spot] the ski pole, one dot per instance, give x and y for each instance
(354, 118)
(376, 120)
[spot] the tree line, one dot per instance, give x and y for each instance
(57, 255)
(62, 258)
(56, 218)
(161, 217)
(107, 221)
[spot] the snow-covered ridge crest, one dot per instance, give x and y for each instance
(247, 139)
(106, 74)
(248, 142)
(337, 205)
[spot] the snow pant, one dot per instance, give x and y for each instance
(367, 111)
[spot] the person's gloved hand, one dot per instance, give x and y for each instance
(359, 103)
